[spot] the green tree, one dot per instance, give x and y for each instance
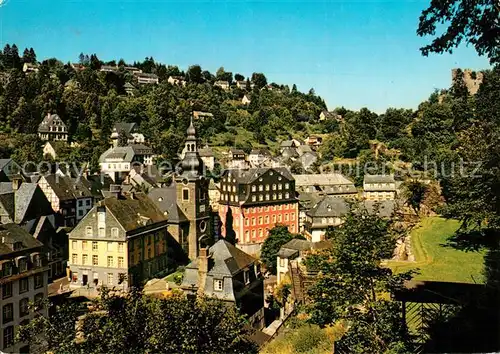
(136, 323)
(414, 193)
(259, 79)
(475, 22)
(351, 284)
(193, 74)
(277, 237)
(239, 77)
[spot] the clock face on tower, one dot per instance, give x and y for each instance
(202, 226)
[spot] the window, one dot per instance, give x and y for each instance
(75, 277)
(254, 198)
(8, 336)
(218, 284)
(266, 208)
(95, 260)
(185, 194)
(274, 187)
(274, 219)
(280, 196)
(261, 187)
(260, 220)
(292, 216)
(80, 203)
(246, 277)
(109, 246)
(254, 188)
(260, 233)
(23, 265)
(279, 207)
(253, 221)
(6, 290)
(23, 307)
(282, 262)
(274, 206)
(85, 259)
(287, 186)
(261, 198)
(279, 218)
(267, 219)
(102, 232)
(120, 262)
(8, 313)
(114, 232)
(267, 196)
(247, 236)
(73, 245)
(7, 269)
(110, 278)
(253, 233)
(286, 217)
(247, 221)
(88, 231)
(280, 186)
(110, 261)
(87, 202)
(38, 281)
(287, 195)
(285, 206)
(323, 220)
(267, 187)
(120, 247)
(23, 285)
(84, 245)
(95, 246)
(74, 258)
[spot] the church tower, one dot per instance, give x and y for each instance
(192, 194)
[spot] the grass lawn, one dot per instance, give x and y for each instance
(437, 261)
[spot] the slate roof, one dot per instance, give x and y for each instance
(206, 152)
(329, 206)
(4, 162)
(26, 203)
(233, 151)
(49, 121)
(129, 212)
(245, 176)
(66, 188)
(165, 199)
(289, 152)
(308, 200)
(321, 179)
(302, 149)
(293, 247)
(128, 128)
(98, 184)
(125, 153)
(379, 179)
(226, 260)
(385, 207)
(11, 233)
(264, 152)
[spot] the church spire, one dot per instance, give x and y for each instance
(192, 165)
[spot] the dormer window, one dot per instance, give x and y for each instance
(23, 265)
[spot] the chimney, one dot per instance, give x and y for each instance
(16, 183)
(202, 270)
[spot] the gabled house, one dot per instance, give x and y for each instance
(222, 84)
(314, 140)
(130, 132)
(144, 178)
(308, 160)
(108, 69)
(118, 161)
(129, 88)
(258, 156)
(246, 100)
(228, 274)
(208, 158)
(237, 158)
(325, 115)
(70, 198)
(121, 242)
(10, 168)
(53, 128)
(54, 149)
(132, 69)
(327, 213)
(333, 184)
(30, 67)
(293, 143)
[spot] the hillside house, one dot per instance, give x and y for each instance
(54, 149)
(10, 167)
(379, 187)
(246, 100)
(145, 78)
(222, 84)
(53, 128)
(258, 156)
(130, 131)
(328, 212)
(228, 274)
(30, 68)
(177, 80)
(118, 161)
(199, 115)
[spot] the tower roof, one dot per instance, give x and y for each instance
(191, 164)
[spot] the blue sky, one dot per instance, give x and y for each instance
(353, 53)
